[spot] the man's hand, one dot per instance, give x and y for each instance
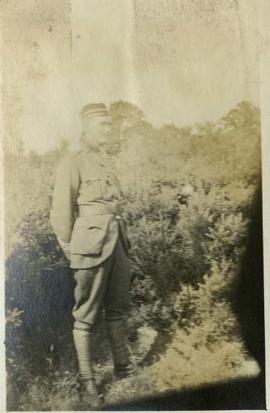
(65, 247)
(67, 253)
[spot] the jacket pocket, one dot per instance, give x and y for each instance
(88, 235)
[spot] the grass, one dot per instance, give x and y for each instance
(183, 365)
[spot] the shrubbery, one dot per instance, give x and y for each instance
(186, 251)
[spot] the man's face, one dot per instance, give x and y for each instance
(97, 131)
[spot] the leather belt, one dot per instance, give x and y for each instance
(98, 209)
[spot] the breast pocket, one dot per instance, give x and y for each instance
(94, 187)
(88, 235)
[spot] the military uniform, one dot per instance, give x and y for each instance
(86, 219)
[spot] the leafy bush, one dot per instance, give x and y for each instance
(186, 249)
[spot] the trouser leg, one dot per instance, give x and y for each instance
(117, 302)
(89, 294)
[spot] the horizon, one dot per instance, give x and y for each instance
(75, 145)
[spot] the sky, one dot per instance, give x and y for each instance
(181, 62)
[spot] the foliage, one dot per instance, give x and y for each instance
(185, 257)
(185, 364)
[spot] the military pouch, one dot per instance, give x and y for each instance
(88, 235)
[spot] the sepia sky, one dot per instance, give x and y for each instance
(181, 62)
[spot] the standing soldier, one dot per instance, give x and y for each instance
(85, 218)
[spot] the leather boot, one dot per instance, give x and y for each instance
(118, 338)
(83, 346)
(91, 395)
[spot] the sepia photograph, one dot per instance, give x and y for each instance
(133, 231)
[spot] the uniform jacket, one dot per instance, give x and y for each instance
(85, 209)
